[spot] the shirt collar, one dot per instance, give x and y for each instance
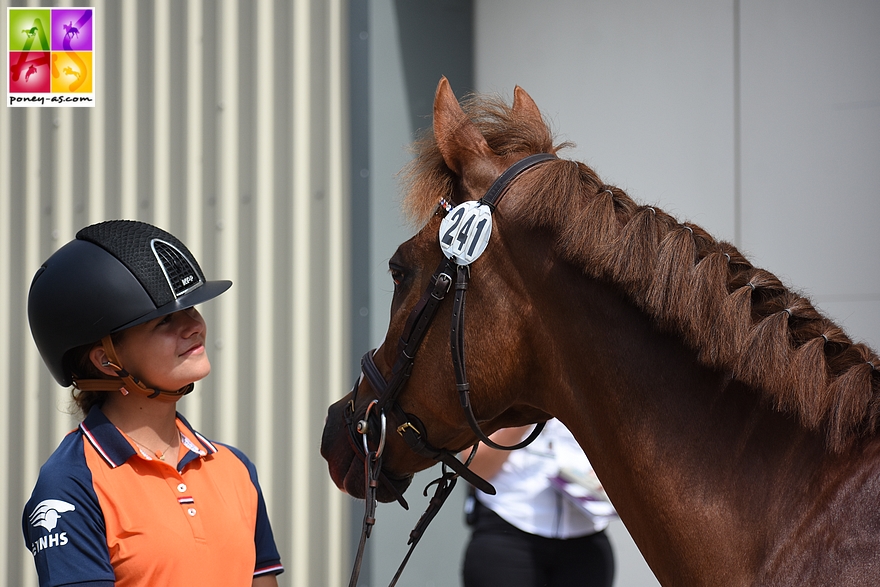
(112, 446)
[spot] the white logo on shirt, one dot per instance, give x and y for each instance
(48, 512)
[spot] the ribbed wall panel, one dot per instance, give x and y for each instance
(226, 124)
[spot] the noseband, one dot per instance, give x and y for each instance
(410, 428)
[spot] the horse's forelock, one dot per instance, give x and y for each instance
(427, 178)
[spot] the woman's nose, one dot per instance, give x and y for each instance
(191, 321)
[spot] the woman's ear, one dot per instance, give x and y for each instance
(98, 357)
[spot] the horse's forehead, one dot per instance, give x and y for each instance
(422, 244)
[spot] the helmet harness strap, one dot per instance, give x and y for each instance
(126, 381)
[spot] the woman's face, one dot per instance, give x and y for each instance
(166, 353)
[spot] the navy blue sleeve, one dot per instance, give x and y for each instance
(63, 524)
(268, 559)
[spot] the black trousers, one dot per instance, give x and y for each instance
(501, 554)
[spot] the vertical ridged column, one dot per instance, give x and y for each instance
(301, 444)
(226, 367)
(30, 250)
(61, 214)
(129, 126)
(338, 262)
(195, 208)
(97, 119)
(266, 251)
(161, 115)
(62, 231)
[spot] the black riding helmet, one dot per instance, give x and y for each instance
(113, 276)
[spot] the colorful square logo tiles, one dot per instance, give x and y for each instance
(50, 53)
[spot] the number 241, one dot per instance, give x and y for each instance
(462, 237)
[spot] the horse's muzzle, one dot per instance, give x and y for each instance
(346, 464)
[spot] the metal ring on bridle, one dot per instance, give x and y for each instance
(363, 426)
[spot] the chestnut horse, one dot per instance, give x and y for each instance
(733, 426)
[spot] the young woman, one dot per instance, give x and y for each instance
(134, 495)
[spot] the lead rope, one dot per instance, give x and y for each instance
(372, 466)
(445, 485)
(372, 469)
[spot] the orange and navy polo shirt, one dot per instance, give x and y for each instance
(104, 514)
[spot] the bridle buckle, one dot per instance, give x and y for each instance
(402, 428)
(441, 286)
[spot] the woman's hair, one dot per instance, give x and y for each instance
(78, 363)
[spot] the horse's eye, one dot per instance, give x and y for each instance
(397, 275)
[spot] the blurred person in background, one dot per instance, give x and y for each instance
(545, 526)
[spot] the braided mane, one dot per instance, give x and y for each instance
(738, 318)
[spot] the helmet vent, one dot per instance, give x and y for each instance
(181, 275)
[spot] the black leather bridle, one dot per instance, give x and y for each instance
(409, 427)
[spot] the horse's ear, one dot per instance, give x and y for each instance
(524, 106)
(461, 143)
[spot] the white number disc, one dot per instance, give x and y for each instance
(465, 232)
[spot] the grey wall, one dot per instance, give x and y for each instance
(756, 119)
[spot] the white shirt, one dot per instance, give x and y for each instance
(526, 496)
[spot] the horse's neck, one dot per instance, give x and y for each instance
(694, 462)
